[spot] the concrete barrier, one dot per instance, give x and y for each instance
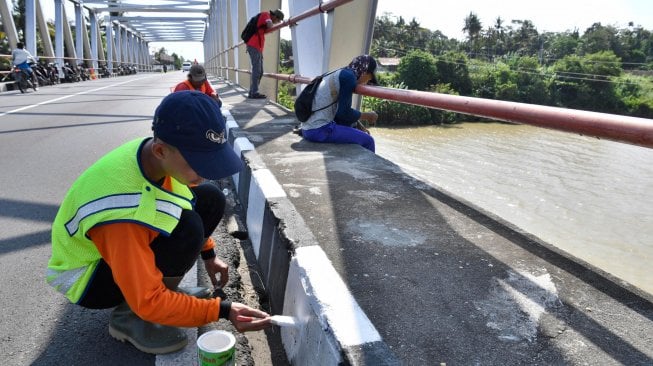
(300, 279)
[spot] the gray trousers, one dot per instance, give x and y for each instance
(256, 59)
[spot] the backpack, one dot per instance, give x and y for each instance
(250, 28)
(304, 101)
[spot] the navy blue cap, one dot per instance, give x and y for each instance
(192, 122)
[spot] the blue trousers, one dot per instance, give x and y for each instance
(256, 59)
(339, 134)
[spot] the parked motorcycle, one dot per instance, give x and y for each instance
(40, 74)
(83, 72)
(53, 73)
(70, 75)
(104, 71)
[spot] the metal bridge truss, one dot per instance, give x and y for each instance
(129, 26)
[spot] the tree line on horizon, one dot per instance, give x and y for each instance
(604, 69)
(633, 44)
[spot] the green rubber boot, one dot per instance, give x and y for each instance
(148, 337)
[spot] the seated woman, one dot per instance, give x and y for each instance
(339, 123)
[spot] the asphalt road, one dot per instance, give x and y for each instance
(47, 138)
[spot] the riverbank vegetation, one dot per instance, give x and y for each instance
(603, 69)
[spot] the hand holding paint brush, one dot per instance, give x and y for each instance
(280, 320)
(245, 318)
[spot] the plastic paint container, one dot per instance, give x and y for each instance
(216, 348)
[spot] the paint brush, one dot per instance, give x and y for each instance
(283, 320)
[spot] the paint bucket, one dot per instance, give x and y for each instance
(216, 348)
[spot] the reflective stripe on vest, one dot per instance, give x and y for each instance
(112, 190)
(116, 202)
(63, 281)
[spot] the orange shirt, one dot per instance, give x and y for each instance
(206, 87)
(126, 249)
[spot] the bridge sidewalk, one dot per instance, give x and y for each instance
(381, 268)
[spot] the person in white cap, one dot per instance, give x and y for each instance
(197, 81)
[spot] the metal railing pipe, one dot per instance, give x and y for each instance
(632, 130)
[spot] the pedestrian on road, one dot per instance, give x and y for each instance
(197, 81)
(255, 46)
(135, 222)
(340, 123)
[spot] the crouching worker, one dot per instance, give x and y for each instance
(197, 81)
(135, 222)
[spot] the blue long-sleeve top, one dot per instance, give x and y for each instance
(339, 86)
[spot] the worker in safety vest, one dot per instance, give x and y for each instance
(197, 81)
(136, 221)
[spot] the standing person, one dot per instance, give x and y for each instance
(339, 123)
(197, 81)
(135, 222)
(21, 57)
(255, 45)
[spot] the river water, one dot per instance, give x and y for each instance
(591, 198)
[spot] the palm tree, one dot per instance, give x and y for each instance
(473, 27)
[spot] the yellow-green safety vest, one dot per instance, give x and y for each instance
(113, 189)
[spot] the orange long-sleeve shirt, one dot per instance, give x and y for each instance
(126, 249)
(206, 88)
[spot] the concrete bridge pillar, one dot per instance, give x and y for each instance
(80, 29)
(109, 40)
(30, 26)
(323, 43)
(58, 35)
(94, 39)
(8, 25)
(48, 51)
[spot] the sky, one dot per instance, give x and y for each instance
(448, 17)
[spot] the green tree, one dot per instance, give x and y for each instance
(417, 70)
(285, 54)
(600, 38)
(585, 82)
(563, 44)
(530, 80)
(452, 69)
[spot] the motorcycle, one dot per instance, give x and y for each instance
(23, 80)
(53, 73)
(83, 72)
(70, 75)
(104, 71)
(40, 73)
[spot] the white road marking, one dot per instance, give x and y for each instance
(67, 96)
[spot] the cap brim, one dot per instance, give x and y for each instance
(197, 78)
(213, 165)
